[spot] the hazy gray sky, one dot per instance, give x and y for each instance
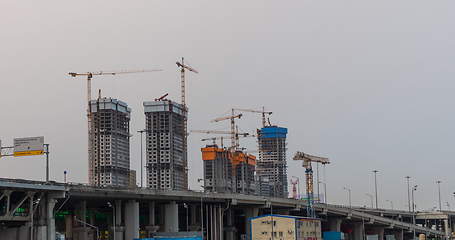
(367, 83)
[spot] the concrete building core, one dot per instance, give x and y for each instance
(217, 169)
(271, 169)
(166, 145)
(109, 142)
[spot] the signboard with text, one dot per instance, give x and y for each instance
(28, 146)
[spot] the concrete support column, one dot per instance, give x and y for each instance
(335, 224)
(171, 219)
(221, 224)
(193, 214)
(131, 219)
(68, 227)
(118, 212)
(358, 231)
(380, 232)
(250, 213)
(194, 224)
(80, 232)
(447, 228)
(50, 219)
(230, 229)
(152, 227)
(399, 235)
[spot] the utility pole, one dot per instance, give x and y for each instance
(409, 200)
(439, 193)
(376, 187)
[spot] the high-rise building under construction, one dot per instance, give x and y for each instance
(109, 142)
(166, 145)
(227, 171)
(271, 169)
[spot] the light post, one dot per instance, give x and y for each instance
(439, 193)
(325, 191)
(391, 203)
(142, 158)
(371, 198)
(349, 195)
(298, 186)
(113, 218)
(413, 211)
(409, 200)
(202, 207)
(376, 187)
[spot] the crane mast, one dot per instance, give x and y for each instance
(234, 133)
(182, 67)
(307, 160)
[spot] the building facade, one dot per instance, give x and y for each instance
(109, 142)
(271, 169)
(218, 175)
(166, 145)
(285, 228)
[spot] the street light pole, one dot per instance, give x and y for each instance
(298, 186)
(439, 193)
(409, 200)
(349, 196)
(202, 207)
(371, 198)
(413, 211)
(142, 159)
(376, 187)
(325, 191)
(391, 203)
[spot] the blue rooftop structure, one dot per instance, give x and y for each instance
(273, 132)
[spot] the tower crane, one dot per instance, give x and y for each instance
(182, 67)
(232, 117)
(237, 135)
(307, 160)
(91, 74)
(263, 112)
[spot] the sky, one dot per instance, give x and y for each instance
(368, 84)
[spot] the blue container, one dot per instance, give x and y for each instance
(333, 236)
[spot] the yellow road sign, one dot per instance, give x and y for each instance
(28, 153)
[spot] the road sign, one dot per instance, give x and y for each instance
(28, 146)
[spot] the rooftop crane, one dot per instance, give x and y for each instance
(232, 117)
(91, 74)
(182, 67)
(213, 139)
(237, 135)
(307, 160)
(162, 98)
(263, 112)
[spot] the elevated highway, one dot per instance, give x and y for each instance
(38, 210)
